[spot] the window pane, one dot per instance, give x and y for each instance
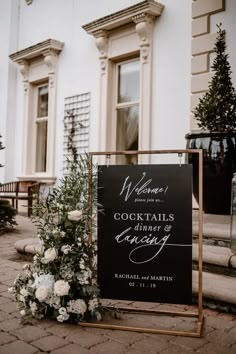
(128, 82)
(41, 146)
(42, 101)
(127, 132)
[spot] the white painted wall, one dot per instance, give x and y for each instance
(8, 39)
(78, 66)
(171, 77)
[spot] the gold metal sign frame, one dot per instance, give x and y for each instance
(199, 313)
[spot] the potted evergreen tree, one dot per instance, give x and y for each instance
(216, 116)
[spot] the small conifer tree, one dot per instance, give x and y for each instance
(216, 111)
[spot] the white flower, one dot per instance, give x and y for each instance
(84, 276)
(75, 215)
(77, 306)
(66, 249)
(60, 318)
(50, 254)
(62, 311)
(33, 307)
(43, 280)
(22, 312)
(24, 292)
(26, 266)
(98, 316)
(61, 288)
(62, 233)
(41, 294)
(53, 301)
(93, 304)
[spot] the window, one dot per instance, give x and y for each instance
(127, 109)
(41, 128)
(120, 36)
(38, 65)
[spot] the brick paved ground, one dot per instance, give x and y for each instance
(219, 333)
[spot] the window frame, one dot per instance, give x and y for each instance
(119, 106)
(125, 34)
(38, 120)
(38, 64)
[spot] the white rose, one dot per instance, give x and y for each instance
(50, 254)
(61, 288)
(75, 215)
(41, 294)
(24, 292)
(62, 311)
(22, 312)
(66, 249)
(60, 318)
(43, 280)
(77, 306)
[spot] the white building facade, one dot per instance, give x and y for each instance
(129, 72)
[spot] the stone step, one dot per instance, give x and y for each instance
(216, 229)
(216, 259)
(219, 291)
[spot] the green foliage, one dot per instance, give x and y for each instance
(7, 213)
(61, 282)
(7, 216)
(216, 111)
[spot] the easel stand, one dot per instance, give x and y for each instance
(199, 313)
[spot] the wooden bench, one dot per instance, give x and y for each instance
(20, 190)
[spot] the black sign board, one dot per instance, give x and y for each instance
(145, 233)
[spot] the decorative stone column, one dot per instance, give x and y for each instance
(51, 59)
(102, 46)
(24, 70)
(144, 28)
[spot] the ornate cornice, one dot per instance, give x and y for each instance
(39, 49)
(146, 8)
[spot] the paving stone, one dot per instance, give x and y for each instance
(213, 348)
(174, 349)
(63, 330)
(188, 342)
(221, 337)
(6, 338)
(4, 316)
(8, 282)
(109, 347)
(220, 323)
(17, 347)
(44, 323)
(10, 325)
(7, 295)
(9, 307)
(124, 336)
(164, 337)
(149, 345)
(71, 349)
(29, 333)
(3, 288)
(49, 343)
(85, 339)
(4, 300)
(98, 331)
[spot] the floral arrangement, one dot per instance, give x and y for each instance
(61, 282)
